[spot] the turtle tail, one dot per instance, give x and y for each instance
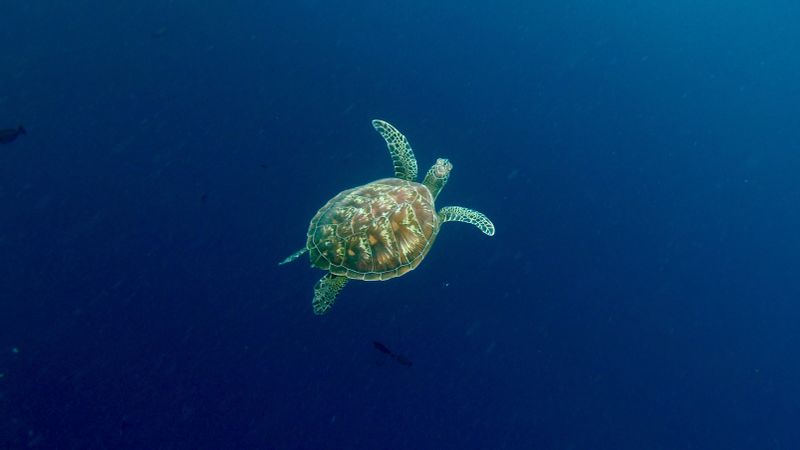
(293, 256)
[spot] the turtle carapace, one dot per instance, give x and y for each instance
(383, 229)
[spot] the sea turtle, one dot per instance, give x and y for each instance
(382, 229)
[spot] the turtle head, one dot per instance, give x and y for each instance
(437, 176)
(442, 168)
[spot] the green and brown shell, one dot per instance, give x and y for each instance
(377, 231)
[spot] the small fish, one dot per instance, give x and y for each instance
(8, 135)
(382, 348)
(397, 357)
(204, 198)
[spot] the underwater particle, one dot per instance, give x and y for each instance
(158, 33)
(15, 350)
(8, 135)
(2, 375)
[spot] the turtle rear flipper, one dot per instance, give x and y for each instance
(325, 292)
(466, 215)
(405, 165)
(293, 256)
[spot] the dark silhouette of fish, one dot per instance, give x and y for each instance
(8, 135)
(204, 198)
(382, 348)
(399, 358)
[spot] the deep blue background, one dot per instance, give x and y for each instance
(639, 160)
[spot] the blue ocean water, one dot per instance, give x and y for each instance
(639, 160)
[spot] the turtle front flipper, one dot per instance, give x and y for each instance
(466, 215)
(293, 256)
(325, 292)
(405, 165)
